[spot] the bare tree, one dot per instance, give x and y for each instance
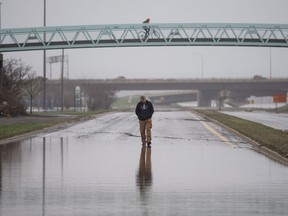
(32, 86)
(99, 97)
(13, 73)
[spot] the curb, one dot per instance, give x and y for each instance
(68, 123)
(257, 147)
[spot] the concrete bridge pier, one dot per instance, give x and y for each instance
(222, 96)
(205, 97)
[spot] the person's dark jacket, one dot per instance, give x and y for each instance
(145, 110)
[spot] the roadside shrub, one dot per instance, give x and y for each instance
(12, 80)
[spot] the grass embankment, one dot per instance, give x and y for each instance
(273, 139)
(7, 131)
(10, 127)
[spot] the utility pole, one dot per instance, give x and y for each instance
(202, 63)
(44, 62)
(1, 71)
(270, 54)
(62, 81)
(1, 55)
(0, 16)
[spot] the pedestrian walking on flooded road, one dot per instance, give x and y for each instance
(144, 111)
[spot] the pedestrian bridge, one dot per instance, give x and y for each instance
(133, 35)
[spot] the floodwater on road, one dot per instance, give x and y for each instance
(275, 120)
(100, 168)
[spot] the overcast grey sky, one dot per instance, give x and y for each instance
(156, 62)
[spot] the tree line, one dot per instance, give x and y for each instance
(19, 86)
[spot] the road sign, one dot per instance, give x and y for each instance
(280, 98)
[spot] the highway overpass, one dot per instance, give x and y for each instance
(208, 89)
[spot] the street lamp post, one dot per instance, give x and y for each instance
(44, 63)
(270, 54)
(202, 64)
(1, 55)
(62, 81)
(0, 15)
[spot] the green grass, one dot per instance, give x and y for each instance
(271, 138)
(7, 131)
(15, 129)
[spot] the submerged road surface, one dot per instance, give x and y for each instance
(275, 120)
(100, 168)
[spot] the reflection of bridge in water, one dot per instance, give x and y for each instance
(208, 89)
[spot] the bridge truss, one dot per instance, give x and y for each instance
(133, 35)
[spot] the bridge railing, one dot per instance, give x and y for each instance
(65, 37)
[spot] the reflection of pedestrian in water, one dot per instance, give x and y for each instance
(144, 111)
(144, 175)
(147, 29)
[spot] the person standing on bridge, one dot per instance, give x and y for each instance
(147, 29)
(144, 111)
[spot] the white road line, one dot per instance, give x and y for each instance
(224, 139)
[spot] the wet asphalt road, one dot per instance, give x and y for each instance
(100, 168)
(275, 120)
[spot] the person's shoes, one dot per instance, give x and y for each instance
(149, 144)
